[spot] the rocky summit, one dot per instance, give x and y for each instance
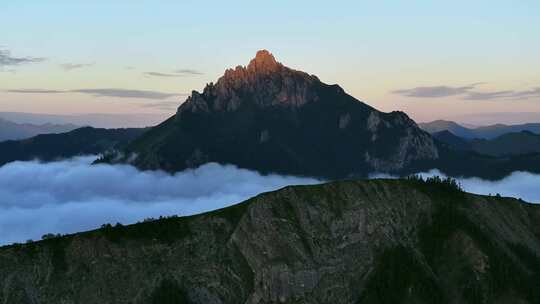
(264, 82)
(271, 118)
(349, 242)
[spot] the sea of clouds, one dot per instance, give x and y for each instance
(73, 195)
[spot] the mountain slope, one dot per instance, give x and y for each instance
(96, 120)
(500, 129)
(445, 125)
(452, 140)
(377, 241)
(520, 143)
(524, 142)
(271, 118)
(13, 131)
(82, 141)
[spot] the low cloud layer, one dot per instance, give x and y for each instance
(107, 92)
(468, 93)
(518, 184)
(70, 196)
(6, 59)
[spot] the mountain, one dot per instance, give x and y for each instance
(96, 120)
(12, 131)
(445, 125)
(520, 143)
(500, 129)
(452, 140)
(485, 132)
(82, 141)
(373, 241)
(271, 118)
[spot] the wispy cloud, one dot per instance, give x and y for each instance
(468, 92)
(6, 59)
(124, 93)
(175, 73)
(73, 66)
(514, 95)
(106, 92)
(158, 74)
(435, 91)
(35, 91)
(161, 105)
(188, 72)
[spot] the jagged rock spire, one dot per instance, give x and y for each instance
(263, 62)
(264, 81)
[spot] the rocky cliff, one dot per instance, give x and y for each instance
(271, 118)
(378, 241)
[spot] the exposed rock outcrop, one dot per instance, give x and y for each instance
(264, 82)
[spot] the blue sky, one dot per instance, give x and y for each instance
(372, 49)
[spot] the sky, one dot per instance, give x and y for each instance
(456, 60)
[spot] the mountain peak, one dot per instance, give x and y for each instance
(263, 82)
(264, 61)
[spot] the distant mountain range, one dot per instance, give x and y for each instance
(82, 141)
(524, 142)
(96, 120)
(11, 131)
(485, 132)
(372, 241)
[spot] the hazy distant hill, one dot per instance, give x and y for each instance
(452, 140)
(93, 120)
(372, 242)
(486, 132)
(82, 141)
(11, 131)
(524, 142)
(445, 125)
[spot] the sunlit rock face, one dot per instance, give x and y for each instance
(263, 82)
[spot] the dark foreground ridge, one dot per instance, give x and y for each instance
(376, 241)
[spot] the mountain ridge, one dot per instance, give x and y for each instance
(508, 144)
(82, 141)
(14, 131)
(483, 132)
(371, 241)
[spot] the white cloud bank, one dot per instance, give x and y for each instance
(71, 196)
(523, 185)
